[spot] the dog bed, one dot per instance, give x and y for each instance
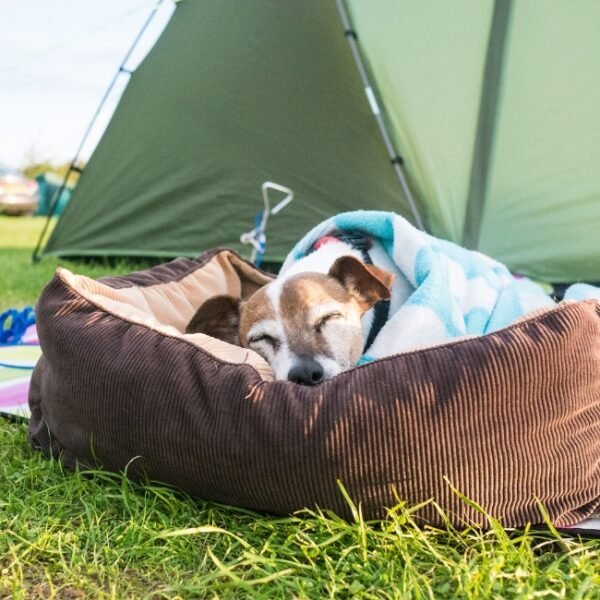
(510, 419)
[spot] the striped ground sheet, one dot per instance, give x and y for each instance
(16, 366)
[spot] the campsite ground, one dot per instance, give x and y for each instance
(69, 535)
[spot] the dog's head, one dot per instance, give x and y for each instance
(307, 326)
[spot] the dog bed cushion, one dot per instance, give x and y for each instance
(510, 419)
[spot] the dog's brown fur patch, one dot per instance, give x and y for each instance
(257, 308)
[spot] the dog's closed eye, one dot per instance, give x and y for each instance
(321, 321)
(263, 338)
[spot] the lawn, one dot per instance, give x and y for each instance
(75, 535)
(21, 281)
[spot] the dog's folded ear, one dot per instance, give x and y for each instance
(218, 317)
(367, 283)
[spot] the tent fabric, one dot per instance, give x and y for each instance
(491, 104)
(427, 60)
(540, 206)
(542, 212)
(249, 92)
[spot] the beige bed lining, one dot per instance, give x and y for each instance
(169, 307)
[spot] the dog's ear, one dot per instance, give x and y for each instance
(218, 317)
(367, 283)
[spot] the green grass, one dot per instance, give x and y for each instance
(98, 535)
(21, 280)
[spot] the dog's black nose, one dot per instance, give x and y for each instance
(306, 372)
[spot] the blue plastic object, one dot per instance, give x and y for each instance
(261, 238)
(14, 324)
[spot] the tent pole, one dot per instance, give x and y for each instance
(395, 159)
(73, 168)
(487, 121)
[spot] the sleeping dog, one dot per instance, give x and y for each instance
(318, 317)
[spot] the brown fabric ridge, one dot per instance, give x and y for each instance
(166, 307)
(180, 268)
(508, 419)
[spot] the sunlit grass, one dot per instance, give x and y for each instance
(100, 535)
(21, 280)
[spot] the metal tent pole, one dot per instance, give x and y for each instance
(395, 159)
(73, 168)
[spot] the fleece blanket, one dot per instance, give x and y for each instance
(457, 292)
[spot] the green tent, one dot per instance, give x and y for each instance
(493, 107)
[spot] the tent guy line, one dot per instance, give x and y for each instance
(91, 31)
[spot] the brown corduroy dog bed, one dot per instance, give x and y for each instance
(508, 419)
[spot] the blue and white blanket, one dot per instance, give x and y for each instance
(455, 292)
